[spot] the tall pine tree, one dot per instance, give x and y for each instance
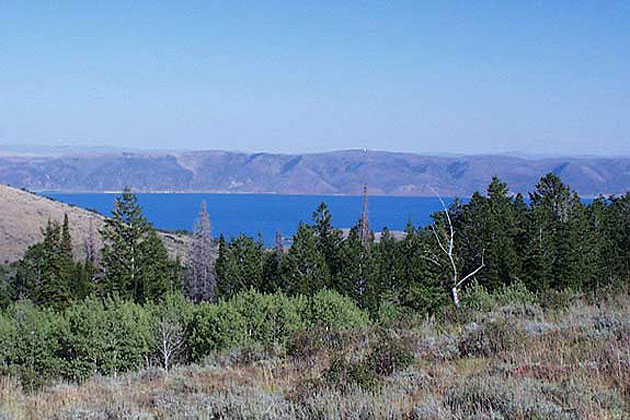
(134, 258)
(303, 269)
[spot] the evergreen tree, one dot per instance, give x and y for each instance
(489, 226)
(304, 269)
(77, 275)
(359, 274)
(387, 254)
(419, 272)
(329, 238)
(272, 280)
(610, 230)
(134, 257)
(42, 274)
(555, 231)
(7, 282)
(239, 265)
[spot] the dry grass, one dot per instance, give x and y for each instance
(511, 363)
(25, 214)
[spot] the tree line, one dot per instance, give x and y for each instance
(550, 241)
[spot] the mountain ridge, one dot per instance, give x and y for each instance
(341, 172)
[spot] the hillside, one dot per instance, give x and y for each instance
(341, 172)
(23, 214)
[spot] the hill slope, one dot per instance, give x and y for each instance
(23, 214)
(341, 172)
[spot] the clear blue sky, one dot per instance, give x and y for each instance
(286, 76)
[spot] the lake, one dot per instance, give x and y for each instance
(231, 214)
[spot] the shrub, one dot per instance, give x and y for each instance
(8, 336)
(489, 338)
(516, 294)
(171, 323)
(131, 336)
(87, 340)
(389, 313)
(331, 310)
(215, 327)
(390, 354)
(343, 374)
(477, 297)
(269, 319)
(33, 353)
(386, 355)
(490, 397)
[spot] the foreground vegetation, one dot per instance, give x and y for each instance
(502, 356)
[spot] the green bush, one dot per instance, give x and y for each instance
(106, 337)
(8, 339)
(477, 297)
(386, 355)
(215, 327)
(172, 318)
(331, 310)
(87, 340)
(390, 313)
(34, 351)
(516, 294)
(271, 319)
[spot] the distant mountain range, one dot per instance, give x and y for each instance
(339, 172)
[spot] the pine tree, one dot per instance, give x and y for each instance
(387, 254)
(304, 269)
(555, 232)
(239, 265)
(75, 273)
(133, 256)
(359, 275)
(272, 280)
(488, 226)
(159, 274)
(421, 271)
(617, 249)
(200, 279)
(329, 238)
(51, 283)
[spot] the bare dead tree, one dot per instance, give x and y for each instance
(447, 245)
(200, 279)
(364, 224)
(170, 339)
(279, 245)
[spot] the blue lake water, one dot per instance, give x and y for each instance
(232, 214)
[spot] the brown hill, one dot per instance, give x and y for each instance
(23, 214)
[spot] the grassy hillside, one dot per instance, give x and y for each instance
(508, 359)
(23, 215)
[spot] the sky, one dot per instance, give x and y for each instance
(538, 77)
